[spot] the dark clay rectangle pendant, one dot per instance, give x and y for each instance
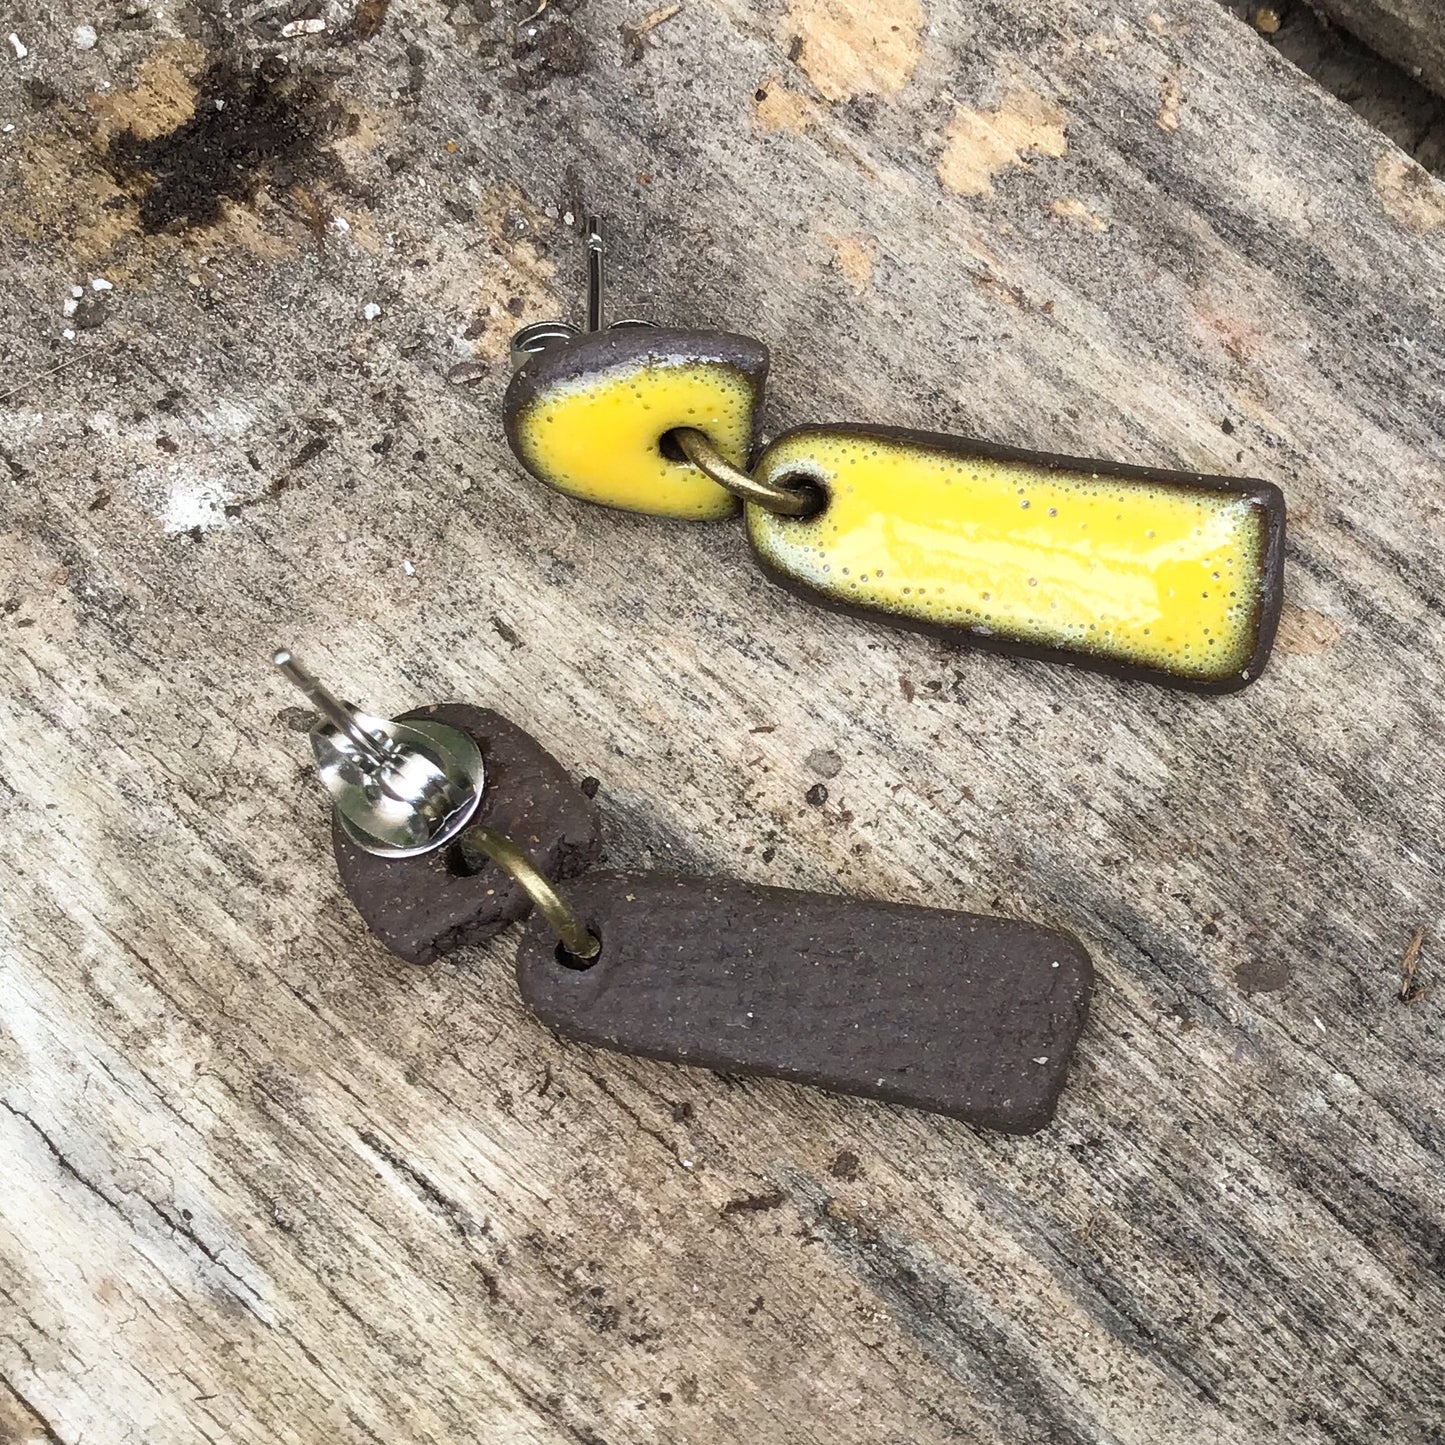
(960, 1014)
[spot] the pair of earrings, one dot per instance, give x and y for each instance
(451, 823)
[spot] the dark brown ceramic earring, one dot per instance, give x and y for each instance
(450, 822)
(1174, 577)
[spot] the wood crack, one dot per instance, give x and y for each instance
(459, 1219)
(62, 1162)
(51, 1433)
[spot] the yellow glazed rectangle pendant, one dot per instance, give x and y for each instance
(591, 417)
(1164, 575)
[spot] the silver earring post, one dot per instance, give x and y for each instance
(542, 336)
(596, 252)
(400, 787)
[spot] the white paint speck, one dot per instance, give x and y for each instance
(77, 292)
(293, 28)
(69, 308)
(408, 568)
(1054, 964)
(7, 128)
(85, 37)
(18, 46)
(371, 311)
(341, 224)
(568, 218)
(686, 1163)
(195, 502)
(1321, 1027)
(1042, 1059)
(99, 283)
(68, 334)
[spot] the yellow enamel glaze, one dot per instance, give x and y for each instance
(597, 436)
(1148, 574)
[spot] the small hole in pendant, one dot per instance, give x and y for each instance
(463, 861)
(811, 488)
(570, 960)
(668, 445)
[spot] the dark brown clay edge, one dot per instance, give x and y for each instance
(601, 350)
(1266, 494)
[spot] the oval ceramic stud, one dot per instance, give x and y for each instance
(590, 417)
(412, 798)
(1169, 576)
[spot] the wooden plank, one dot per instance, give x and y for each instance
(264, 1183)
(1409, 32)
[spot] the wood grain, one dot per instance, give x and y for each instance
(264, 1183)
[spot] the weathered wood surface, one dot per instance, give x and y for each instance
(263, 1183)
(1410, 32)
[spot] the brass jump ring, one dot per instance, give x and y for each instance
(563, 919)
(698, 448)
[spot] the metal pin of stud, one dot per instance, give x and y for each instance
(543, 335)
(400, 787)
(596, 278)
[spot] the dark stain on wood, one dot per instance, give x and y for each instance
(941, 1315)
(246, 132)
(755, 1203)
(369, 17)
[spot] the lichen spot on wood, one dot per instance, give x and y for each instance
(1303, 633)
(1171, 100)
(776, 108)
(982, 143)
(1409, 194)
(1072, 209)
(1142, 573)
(853, 255)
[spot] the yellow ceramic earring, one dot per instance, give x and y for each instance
(1172, 577)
